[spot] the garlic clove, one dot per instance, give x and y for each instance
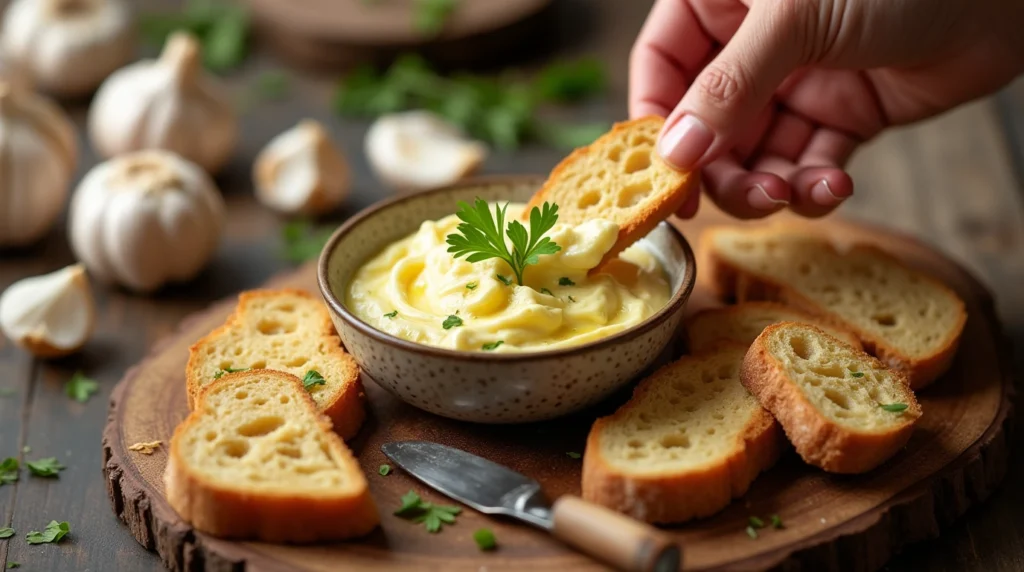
(50, 315)
(417, 150)
(301, 171)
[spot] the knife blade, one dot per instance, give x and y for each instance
(495, 489)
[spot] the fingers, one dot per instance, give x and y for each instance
(690, 207)
(742, 193)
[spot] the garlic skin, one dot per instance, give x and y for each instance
(168, 103)
(37, 160)
(51, 315)
(416, 150)
(69, 46)
(145, 219)
(301, 171)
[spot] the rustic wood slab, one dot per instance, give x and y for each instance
(955, 458)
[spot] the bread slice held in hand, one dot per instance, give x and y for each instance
(256, 460)
(621, 178)
(689, 441)
(742, 324)
(842, 409)
(284, 330)
(907, 319)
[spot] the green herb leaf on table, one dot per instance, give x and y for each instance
(384, 470)
(492, 345)
(271, 85)
(312, 379)
(451, 321)
(227, 370)
(6, 532)
(47, 467)
(80, 388)
(301, 241)
(433, 516)
(573, 455)
(565, 281)
(895, 407)
(12, 565)
(485, 539)
(222, 29)
(471, 286)
(776, 521)
(391, 314)
(752, 532)
(430, 16)
(504, 280)
(9, 471)
(756, 522)
(411, 502)
(53, 533)
(857, 374)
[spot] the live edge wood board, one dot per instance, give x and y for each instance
(955, 458)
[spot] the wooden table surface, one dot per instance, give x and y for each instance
(954, 181)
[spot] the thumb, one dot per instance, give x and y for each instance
(771, 42)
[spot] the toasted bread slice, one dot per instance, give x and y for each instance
(830, 398)
(284, 330)
(689, 441)
(256, 460)
(742, 324)
(908, 320)
(621, 178)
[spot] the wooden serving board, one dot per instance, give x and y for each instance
(955, 458)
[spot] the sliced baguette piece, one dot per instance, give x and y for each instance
(742, 324)
(285, 330)
(829, 397)
(621, 178)
(689, 441)
(907, 319)
(256, 460)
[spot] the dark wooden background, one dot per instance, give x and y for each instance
(954, 181)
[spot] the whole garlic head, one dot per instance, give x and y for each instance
(301, 171)
(50, 315)
(69, 46)
(169, 103)
(415, 150)
(37, 159)
(144, 219)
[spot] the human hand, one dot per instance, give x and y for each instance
(771, 97)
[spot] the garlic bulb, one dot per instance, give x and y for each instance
(37, 158)
(69, 46)
(144, 219)
(169, 103)
(50, 315)
(416, 150)
(301, 171)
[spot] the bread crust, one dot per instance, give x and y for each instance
(285, 518)
(678, 497)
(693, 322)
(346, 411)
(818, 440)
(731, 282)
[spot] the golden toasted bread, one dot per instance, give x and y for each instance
(742, 324)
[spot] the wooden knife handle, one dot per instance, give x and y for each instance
(614, 538)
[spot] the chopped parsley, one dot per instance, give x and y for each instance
(485, 539)
(505, 281)
(895, 407)
(451, 321)
(573, 455)
(228, 370)
(471, 286)
(11, 565)
(384, 470)
(80, 388)
(433, 516)
(756, 522)
(46, 467)
(857, 374)
(391, 314)
(777, 521)
(565, 281)
(53, 533)
(6, 532)
(571, 299)
(9, 471)
(546, 291)
(492, 345)
(313, 378)
(752, 532)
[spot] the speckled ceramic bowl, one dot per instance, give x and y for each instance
(481, 387)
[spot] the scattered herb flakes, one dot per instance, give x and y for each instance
(573, 455)
(80, 388)
(11, 565)
(433, 516)
(272, 85)
(53, 533)
(857, 374)
(503, 280)
(752, 532)
(411, 501)
(756, 522)
(391, 314)
(430, 16)
(471, 286)
(222, 29)
(485, 539)
(9, 471)
(492, 345)
(6, 532)
(48, 467)
(384, 470)
(546, 291)
(145, 448)
(776, 521)
(451, 321)
(895, 407)
(301, 241)
(227, 370)
(312, 379)
(571, 299)
(565, 281)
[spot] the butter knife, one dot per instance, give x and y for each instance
(491, 488)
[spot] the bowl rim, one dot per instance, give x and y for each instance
(675, 303)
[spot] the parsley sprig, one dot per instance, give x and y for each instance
(9, 471)
(80, 388)
(51, 534)
(46, 467)
(480, 236)
(312, 379)
(433, 516)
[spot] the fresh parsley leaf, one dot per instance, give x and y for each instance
(271, 85)
(480, 237)
(756, 522)
(546, 291)
(503, 280)
(6, 532)
(11, 565)
(471, 286)
(752, 532)
(411, 502)
(895, 407)
(227, 370)
(430, 16)
(857, 374)
(451, 321)
(573, 455)
(9, 471)
(384, 470)
(222, 29)
(485, 539)
(301, 241)
(431, 515)
(80, 388)
(492, 345)
(46, 467)
(51, 534)
(391, 314)
(570, 81)
(565, 281)
(312, 379)
(776, 521)
(571, 299)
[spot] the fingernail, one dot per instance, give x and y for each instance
(759, 198)
(685, 142)
(822, 194)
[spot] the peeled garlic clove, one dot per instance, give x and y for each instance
(301, 171)
(170, 103)
(416, 150)
(50, 315)
(69, 46)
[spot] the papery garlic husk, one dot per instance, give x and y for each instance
(145, 219)
(50, 315)
(37, 159)
(301, 171)
(169, 103)
(415, 150)
(69, 46)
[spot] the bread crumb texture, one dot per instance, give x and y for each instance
(742, 324)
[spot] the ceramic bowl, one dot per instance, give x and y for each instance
(480, 387)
